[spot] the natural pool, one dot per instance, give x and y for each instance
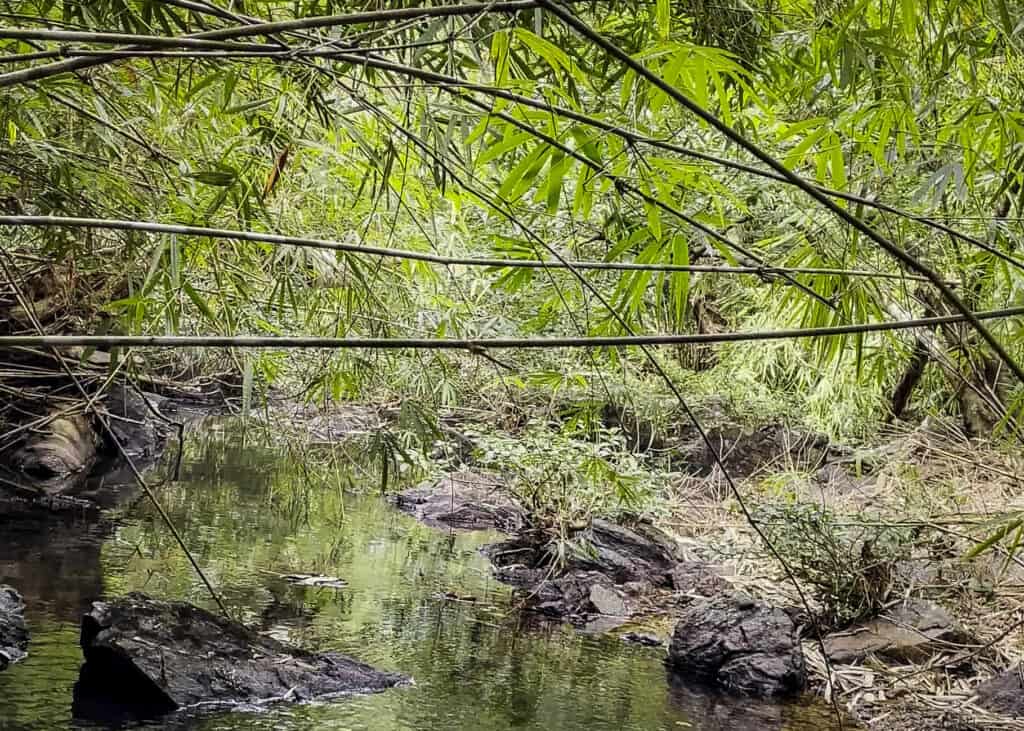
(251, 513)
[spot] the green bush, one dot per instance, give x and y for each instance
(850, 567)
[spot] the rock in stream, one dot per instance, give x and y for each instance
(467, 500)
(741, 645)
(13, 634)
(905, 633)
(614, 571)
(145, 657)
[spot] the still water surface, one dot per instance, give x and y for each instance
(251, 513)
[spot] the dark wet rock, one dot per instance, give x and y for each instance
(697, 577)
(716, 711)
(606, 600)
(605, 570)
(738, 644)
(643, 638)
(467, 500)
(637, 588)
(639, 553)
(563, 595)
(13, 633)
(905, 633)
(635, 555)
(154, 657)
(135, 418)
(1003, 694)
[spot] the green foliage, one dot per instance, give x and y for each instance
(918, 105)
(852, 570)
(564, 478)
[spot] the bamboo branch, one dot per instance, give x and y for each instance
(891, 248)
(352, 55)
(326, 21)
(131, 136)
(477, 345)
(45, 34)
(302, 242)
(624, 185)
(631, 136)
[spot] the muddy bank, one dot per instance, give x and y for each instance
(145, 658)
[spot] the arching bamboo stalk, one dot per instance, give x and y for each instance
(492, 263)
(902, 256)
(483, 344)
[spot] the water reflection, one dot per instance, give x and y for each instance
(251, 514)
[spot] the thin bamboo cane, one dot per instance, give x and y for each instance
(483, 344)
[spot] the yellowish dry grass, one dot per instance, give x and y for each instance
(931, 478)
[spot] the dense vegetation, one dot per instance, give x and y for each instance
(437, 175)
(398, 134)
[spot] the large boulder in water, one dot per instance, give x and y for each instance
(467, 500)
(145, 657)
(734, 642)
(13, 634)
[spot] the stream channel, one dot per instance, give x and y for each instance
(417, 600)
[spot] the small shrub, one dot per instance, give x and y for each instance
(851, 567)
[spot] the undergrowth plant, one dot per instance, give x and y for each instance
(852, 565)
(566, 480)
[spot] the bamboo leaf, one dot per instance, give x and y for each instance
(663, 18)
(995, 537)
(199, 302)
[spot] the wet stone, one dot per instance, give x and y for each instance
(905, 633)
(607, 601)
(643, 639)
(1003, 694)
(13, 633)
(738, 644)
(697, 577)
(467, 500)
(144, 658)
(614, 571)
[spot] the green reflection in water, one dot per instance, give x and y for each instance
(251, 513)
